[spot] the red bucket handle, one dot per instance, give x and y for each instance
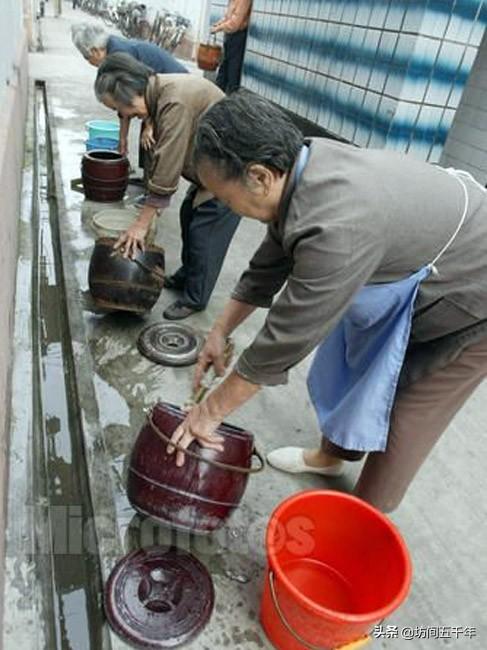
(354, 645)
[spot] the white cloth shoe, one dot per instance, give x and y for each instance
(291, 460)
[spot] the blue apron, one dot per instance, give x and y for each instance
(353, 379)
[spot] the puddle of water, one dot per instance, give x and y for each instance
(114, 407)
(74, 604)
(74, 587)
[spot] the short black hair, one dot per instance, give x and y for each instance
(243, 129)
(123, 77)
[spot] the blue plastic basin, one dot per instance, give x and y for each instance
(103, 129)
(109, 144)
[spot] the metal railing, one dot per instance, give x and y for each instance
(166, 29)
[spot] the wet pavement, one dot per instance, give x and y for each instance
(95, 388)
(75, 583)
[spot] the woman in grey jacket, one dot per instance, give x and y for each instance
(342, 224)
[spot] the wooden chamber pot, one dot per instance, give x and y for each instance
(120, 284)
(105, 175)
(201, 495)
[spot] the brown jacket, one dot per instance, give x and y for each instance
(175, 103)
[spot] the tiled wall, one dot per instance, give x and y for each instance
(378, 73)
(466, 146)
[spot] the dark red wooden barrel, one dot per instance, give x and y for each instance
(124, 284)
(105, 175)
(201, 495)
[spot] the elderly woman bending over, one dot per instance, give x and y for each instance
(95, 44)
(174, 103)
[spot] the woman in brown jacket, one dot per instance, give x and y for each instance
(174, 103)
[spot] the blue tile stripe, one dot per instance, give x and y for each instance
(298, 42)
(396, 130)
(467, 9)
(359, 78)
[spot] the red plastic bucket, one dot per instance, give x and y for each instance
(336, 567)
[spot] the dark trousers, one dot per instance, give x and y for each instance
(145, 157)
(230, 70)
(206, 233)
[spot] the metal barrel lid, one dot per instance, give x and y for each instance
(170, 344)
(159, 598)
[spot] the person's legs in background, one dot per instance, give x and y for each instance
(206, 231)
(230, 70)
(222, 74)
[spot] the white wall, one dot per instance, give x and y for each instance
(13, 102)
(466, 146)
(10, 31)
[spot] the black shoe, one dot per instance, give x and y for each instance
(178, 310)
(173, 282)
(136, 180)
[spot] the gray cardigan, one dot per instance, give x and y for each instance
(361, 216)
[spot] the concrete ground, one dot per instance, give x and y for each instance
(443, 518)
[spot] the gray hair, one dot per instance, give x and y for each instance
(244, 129)
(86, 36)
(122, 77)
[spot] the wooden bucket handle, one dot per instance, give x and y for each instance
(215, 463)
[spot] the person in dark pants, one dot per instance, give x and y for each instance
(230, 70)
(234, 25)
(174, 103)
